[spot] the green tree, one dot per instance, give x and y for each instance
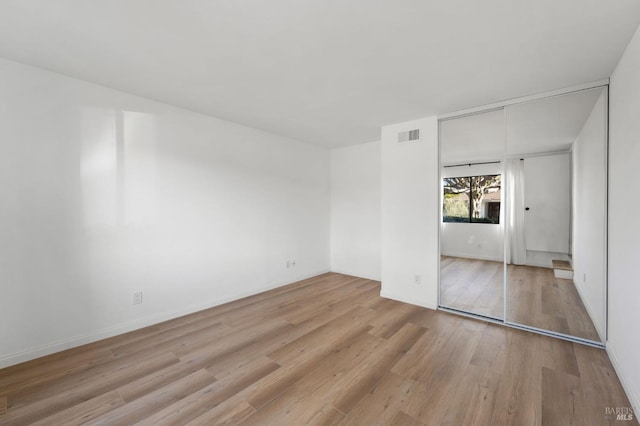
(476, 186)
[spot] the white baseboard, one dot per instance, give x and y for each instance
(104, 333)
(626, 384)
(428, 305)
(355, 274)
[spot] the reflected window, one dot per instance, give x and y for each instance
(472, 199)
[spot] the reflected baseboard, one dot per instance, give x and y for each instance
(472, 256)
(590, 311)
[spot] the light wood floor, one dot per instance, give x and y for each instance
(327, 350)
(472, 285)
(534, 296)
(537, 298)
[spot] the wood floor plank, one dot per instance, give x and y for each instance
(382, 403)
(519, 393)
(332, 333)
(599, 386)
(440, 352)
(81, 356)
(561, 400)
(337, 305)
(269, 343)
(156, 380)
(305, 309)
(318, 384)
(559, 355)
(360, 381)
(37, 373)
(116, 371)
(344, 305)
(313, 415)
(199, 402)
(490, 351)
(233, 411)
(48, 400)
(169, 338)
(430, 400)
(154, 401)
(84, 412)
(287, 305)
(403, 419)
(229, 363)
(478, 388)
(437, 396)
(263, 392)
(325, 350)
(387, 323)
(207, 352)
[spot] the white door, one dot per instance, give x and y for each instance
(547, 200)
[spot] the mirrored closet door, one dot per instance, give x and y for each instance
(471, 233)
(556, 214)
(523, 232)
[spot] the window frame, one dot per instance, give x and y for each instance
(470, 195)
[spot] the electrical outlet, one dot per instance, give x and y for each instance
(293, 263)
(137, 298)
(417, 279)
(288, 264)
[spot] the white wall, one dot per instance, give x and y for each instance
(355, 210)
(410, 214)
(624, 227)
(473, 240)
(589, 200)
(104, 193)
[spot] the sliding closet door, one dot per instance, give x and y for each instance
(555, 186)
(472, 225)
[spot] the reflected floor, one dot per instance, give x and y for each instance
(535, 297)
(472, 285)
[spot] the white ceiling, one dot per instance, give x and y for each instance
(477, 137)
(541, 126)
(550, 124)
(326, 72)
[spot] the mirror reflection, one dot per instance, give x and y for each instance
(556, 181)
(523, 232)
(471, 237)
